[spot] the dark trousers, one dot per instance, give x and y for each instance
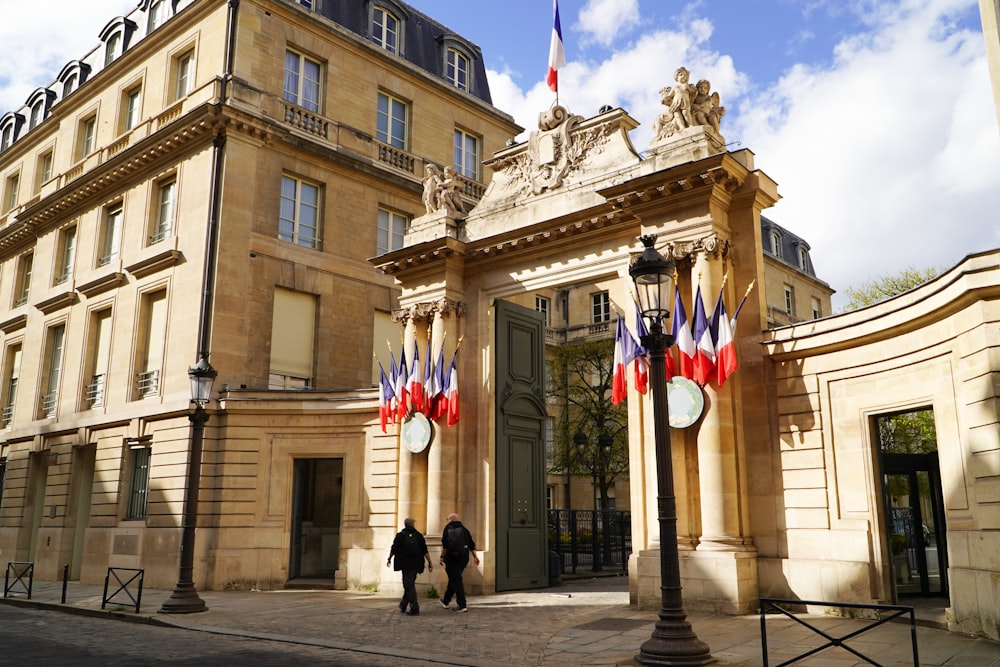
(410, 590)
(453, 568)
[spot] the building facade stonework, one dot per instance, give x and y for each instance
(285, 144)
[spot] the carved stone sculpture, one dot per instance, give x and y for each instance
(450, 192)
(687, 106)
(432, 183)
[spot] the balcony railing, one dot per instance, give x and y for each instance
(49, 402)
(7, 414)
(95, 392)
(148, 382)
(306, 120)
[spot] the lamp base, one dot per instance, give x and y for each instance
(184, 600)
(674, 643)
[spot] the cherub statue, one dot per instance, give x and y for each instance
(705, 106)
(449, 196)
(677, 99)
(432, 187)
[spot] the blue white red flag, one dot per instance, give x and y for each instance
(429, 388)
(439, 402)
(402, 387)
(722, 337)
(704, 358)
(416, 384)
(619, 386)
(385, 397)
(453, 412)
(557, 55)
(681, 332)
(642, 355)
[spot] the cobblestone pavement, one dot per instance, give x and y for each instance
(582, 623)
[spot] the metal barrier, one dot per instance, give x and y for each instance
(773, 605)
(123, 586)
(20, 570)
(596, 541)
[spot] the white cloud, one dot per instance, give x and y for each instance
(30, 61)
(604, 20)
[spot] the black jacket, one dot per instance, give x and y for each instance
(470, 545)
(402, 561)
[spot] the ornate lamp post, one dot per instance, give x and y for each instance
(184, 599)
(673, 641)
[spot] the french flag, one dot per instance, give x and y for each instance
(557, 55)
(725, 348)
(642, 355)
(619, 387)
(704, 358)
(385, 397)
(416, 381)
(452, 392)
(439, 397)
(402, 388)
(681, 332)
(430, 375)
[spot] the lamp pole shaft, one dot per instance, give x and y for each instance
(673, 641)
(185, 599)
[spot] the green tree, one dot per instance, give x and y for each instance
(882, 287)
(580, 376)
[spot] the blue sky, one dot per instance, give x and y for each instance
(875, 117)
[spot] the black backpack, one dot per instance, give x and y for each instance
(455, 538)
(411, 545)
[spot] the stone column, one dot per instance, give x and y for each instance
(442, 455)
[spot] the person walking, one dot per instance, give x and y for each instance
(409, 548)
(456, 547)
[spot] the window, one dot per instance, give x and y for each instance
(6, 137)
(111, 48)
(600, 307)
(776, 244)
(65, 255)
(131, 108)
(306, 3)
(302, 77)
(163, 211)
(467, 155)
(70, 84)
(542, 306)
(298, 218)
(54, 357)
(158, 13)
(43, 170)
(10, 192)
(37, 113)
(392, 118)
(12, 370)
(789, 300)
(152, 337)
(111, 235)
(457, 69)
(293, 328)
(22, 281)
(183, 74)
(88, 128)
(803, 259)
(138, 455)
(385, 29)
(99, 351)
(391, 228)
(817, 312)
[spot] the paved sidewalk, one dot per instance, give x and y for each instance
(583, 622)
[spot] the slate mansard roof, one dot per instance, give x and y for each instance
(791, 249)
(423, 42)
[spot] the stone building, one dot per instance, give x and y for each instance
(270, 162)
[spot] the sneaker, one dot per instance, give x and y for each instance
(460, 610)
(443, 603)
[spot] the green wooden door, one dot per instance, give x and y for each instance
(522, 549)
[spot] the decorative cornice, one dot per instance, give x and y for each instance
(425, 311)
(57, 302)
(155, 263)
(14, 324)
(102, 284)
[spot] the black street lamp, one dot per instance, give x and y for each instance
(184, 599)
(673, 641)
(604, 444)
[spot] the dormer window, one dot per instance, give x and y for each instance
(10, 127)
(387, 26)
(39, 104)
(37, 109)
(116, 36)
(158, 12)
(72, 76)
(776, 243)
(457, 69)
(459, 59)
(803, 259)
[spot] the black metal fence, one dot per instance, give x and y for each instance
(586, 540)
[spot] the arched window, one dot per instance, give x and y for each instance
(385, 29)
(72, 76)
(776, 243)
(116, 37)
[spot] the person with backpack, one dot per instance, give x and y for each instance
(456, 547)
(410, 550)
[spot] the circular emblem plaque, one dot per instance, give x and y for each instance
(684, 402)
(416, 433)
